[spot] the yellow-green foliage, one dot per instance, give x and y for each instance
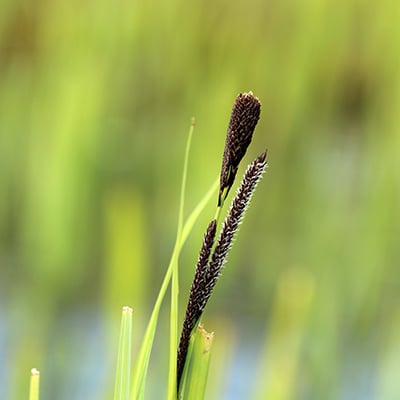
(95, 100)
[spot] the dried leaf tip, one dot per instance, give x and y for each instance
(244, 117)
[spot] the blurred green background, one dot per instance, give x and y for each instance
(95, 103)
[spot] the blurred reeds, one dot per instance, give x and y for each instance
(94, 103)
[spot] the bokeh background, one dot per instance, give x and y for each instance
(96, 99)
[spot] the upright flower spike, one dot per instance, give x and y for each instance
(244, 117)
(211, 261)
(252, 176)
(195, 297)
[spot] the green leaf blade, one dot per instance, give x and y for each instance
(195, 373)
(173, 338)
(34, 384)
(142, 361)
(123, 374)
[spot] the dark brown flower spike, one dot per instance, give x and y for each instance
(195, 297)
(208, 269)
(244, 117)
(231, 224)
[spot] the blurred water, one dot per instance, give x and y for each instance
(80, 365)
(357, 378)
(242, 374)
(76, 364)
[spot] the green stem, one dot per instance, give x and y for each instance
(34, 385)
(142, 361)
(173, 340)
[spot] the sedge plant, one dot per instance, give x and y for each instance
(190, 353)
(244, 117)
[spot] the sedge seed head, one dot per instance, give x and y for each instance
(244, 117)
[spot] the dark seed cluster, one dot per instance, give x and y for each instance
(209, 269)
(196, 295)
(231, 224)
(244, 117)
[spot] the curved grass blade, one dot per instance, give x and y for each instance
(173, 336)
(142, 361)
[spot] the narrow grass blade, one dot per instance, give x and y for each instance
(123, 374)
(34, 384)
(173, 337)
(142, 361)
(191, 220)
(195, 373)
